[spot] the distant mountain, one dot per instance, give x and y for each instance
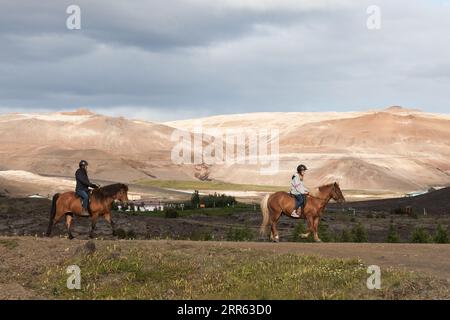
(117, 148)
(392, 149)
(435, 202)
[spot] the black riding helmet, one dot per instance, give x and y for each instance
(301, 167)
(83, 163)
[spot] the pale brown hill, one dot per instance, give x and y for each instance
(381, 131)
(118, 149)
(395, 149)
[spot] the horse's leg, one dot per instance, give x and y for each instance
(59, 214)
(275, 237)
(69, 219)
(111, 222)
(93, 224)
(316, 226)
(309, 223)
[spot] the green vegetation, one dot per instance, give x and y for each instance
(240, 234)
(359, 233)
(201, 235)
(187, 272)
(125, 234)
(9, 243)
(210, 201)
(393, 236)
(441, 235)
(420, 235)
(207, 185)
(356, 234)
(170, 213)
(345, 236)
(298, 230)
(226, 211)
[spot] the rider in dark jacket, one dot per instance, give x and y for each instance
(83, 185)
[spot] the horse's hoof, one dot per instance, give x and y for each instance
(71, 237)
(304, 236)
(318, 240)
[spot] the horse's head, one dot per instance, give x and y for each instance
(122, 194)
(117, 191)
(336, 193)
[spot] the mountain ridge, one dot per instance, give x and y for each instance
(394, 148)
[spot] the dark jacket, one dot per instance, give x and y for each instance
(83, 182)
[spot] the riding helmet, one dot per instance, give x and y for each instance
(83, 163)
(301, 167)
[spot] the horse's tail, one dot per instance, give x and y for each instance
(52, 214)
(265, 214)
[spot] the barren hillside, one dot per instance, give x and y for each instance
(392, 149)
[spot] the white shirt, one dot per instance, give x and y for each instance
(297, 185)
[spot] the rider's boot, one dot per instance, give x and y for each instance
(84, 212)
(295, 213)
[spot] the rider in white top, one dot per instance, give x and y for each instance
(298, 188)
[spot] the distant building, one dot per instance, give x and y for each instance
(37, 196)
(144, 206)
(416, 193)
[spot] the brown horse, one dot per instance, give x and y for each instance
(100, 202)
(276, 204)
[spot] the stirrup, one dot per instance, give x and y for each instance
(84, 212)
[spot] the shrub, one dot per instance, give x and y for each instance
(420, 235)
(324, 233)
(240, 234)
(345, 236)
(125, 234)
(393, 236)
(195, 199)
(171, 213)
(201, 235)
(441, 235)
(130, 234)
(298, 230)
(359, 233)
(121, 233)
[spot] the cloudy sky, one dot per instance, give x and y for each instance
(174, 59)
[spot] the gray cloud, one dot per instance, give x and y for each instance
(174, 59)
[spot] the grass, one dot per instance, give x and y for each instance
(9, 243)
(208, 185)
(185, 272)
(225, 211)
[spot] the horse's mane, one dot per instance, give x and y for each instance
(315, 191)
(326, 185)
(109, 190)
